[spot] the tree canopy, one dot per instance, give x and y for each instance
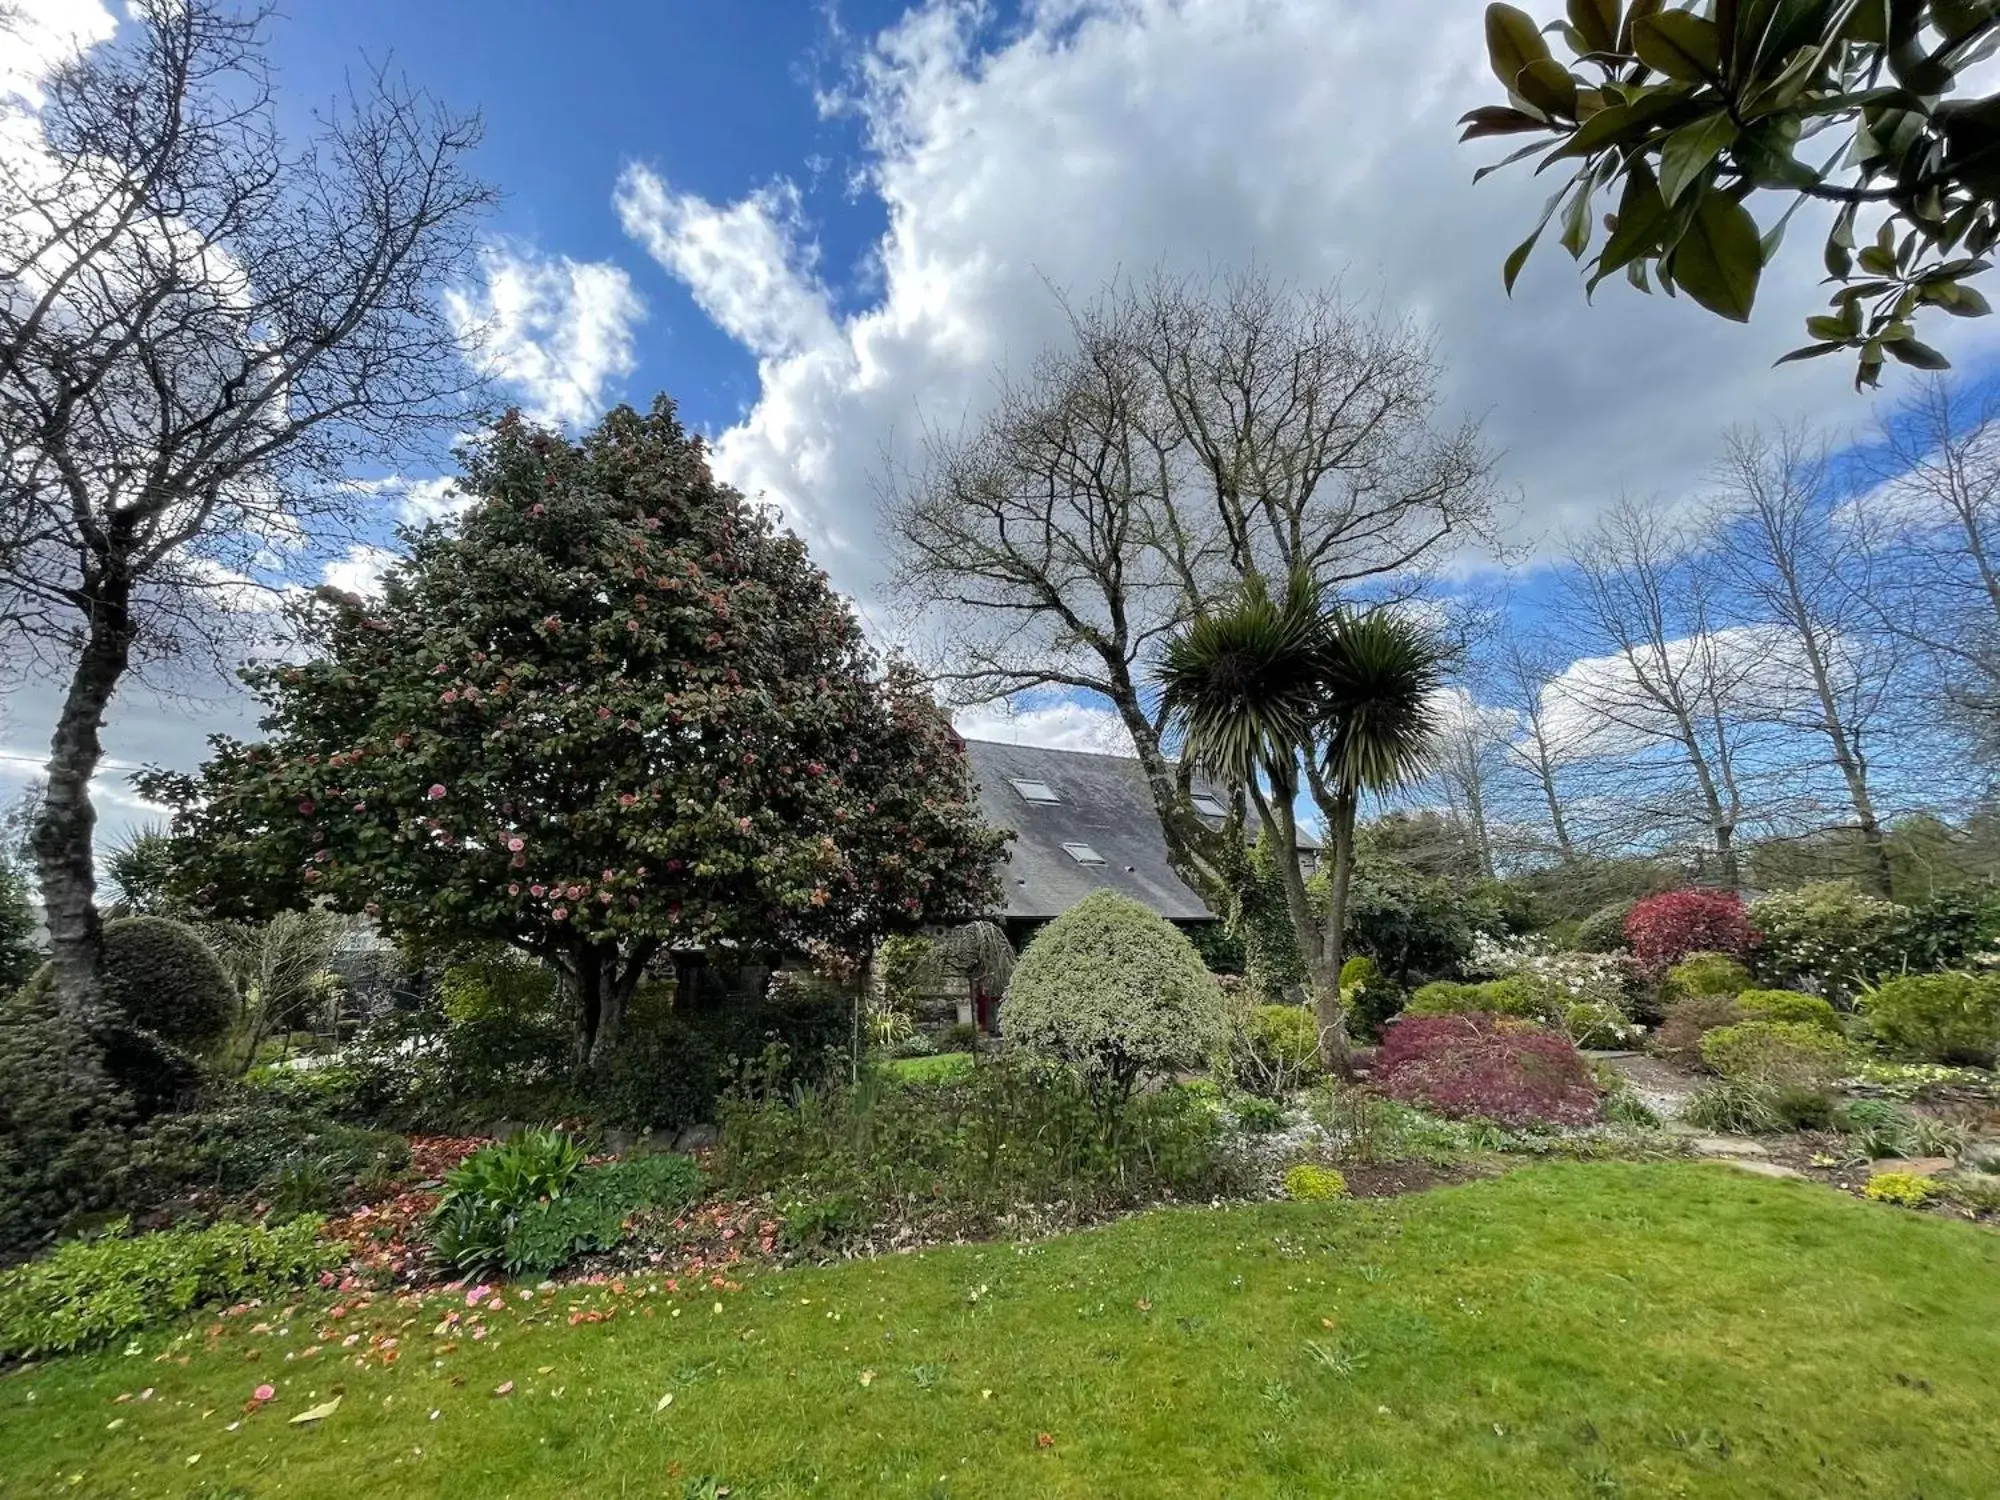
(1681, 117)
(613, 709)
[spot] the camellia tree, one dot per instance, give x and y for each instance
(1679, 118)
(614, 710)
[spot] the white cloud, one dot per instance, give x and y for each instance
(557, 330)
(1107, 137)
(360, 570)
(1597, 705)
(40, 35)
(1057, 724)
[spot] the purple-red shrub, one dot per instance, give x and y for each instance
(1662, 930)
(1486, 1067)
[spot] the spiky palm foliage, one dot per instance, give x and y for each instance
(1245, 684)
(1266, 689)
(1380, 676)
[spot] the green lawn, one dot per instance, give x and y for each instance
(937, 1068)
(1572, 1329)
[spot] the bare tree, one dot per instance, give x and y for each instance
(1189, 436)
(1790, 563)
(1467, 755)
(203, 329)
(1522, 675)
(1660, 701)
(1935, 515)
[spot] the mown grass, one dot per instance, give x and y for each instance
(1599, 1329)
(940, 1067)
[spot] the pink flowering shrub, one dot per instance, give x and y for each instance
(1486, 1067)
(1662, 930)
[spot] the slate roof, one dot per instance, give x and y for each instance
(1105, 804)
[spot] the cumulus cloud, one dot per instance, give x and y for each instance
(558, 331)
(1107, 137)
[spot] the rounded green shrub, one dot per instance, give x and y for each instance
(1688, 1021)
(65, 1124)
(1706, 974)
(161, 976)
(1512, 996)
(1789, 1005)
(1359, 972)
(1116, 992)
(1276, 1049)
(1791, 1055)
(1826, 936)
(1307, 1183)
(1603, 931)
(1941, 1018)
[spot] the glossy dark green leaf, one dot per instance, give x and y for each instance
(1824, 327)
(1876, 261)
(1596, 21)
(1640, 9)
(1547, 84)
(1918, 356)
(1679, 44)
(1688, 152)
(1718, 259)
(1497, 120)
(1810, 351)
(1576, 221)
(1512, 42)
(1968, 302)
(1642, 220)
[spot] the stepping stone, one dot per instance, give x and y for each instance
(1761, 1168)
(1915, 1166)
(1728, 1145)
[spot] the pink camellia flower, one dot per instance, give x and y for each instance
(436, 791)
(626, 799)
(449, 695)
(604, 713)
(517, 845)
(519, 861)
(306, 806)
(608, 874)
(265, 1393)
(742, 825)
(573, 892)
(311, 876)
(513, 890)
(561, 913)
(536, 890)
(632, 625)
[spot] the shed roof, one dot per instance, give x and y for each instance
(1104, 804)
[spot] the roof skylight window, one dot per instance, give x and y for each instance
(1209, 807)
(1034, 791)
(1083, 854)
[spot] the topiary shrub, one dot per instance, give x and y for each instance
(1942, 1018)
(65, 1124)
(1789, 1005)
(1117, 993)
(1488, 1068)
(1664, 929)
(1828, 937)
(1779, 1054)
(1687, 1022)
(1307, 1183)
(1705, 974)
(162, 977)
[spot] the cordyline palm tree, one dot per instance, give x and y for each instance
(1275, 696)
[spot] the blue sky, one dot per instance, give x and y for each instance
(825, 229)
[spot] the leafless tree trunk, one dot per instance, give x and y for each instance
(1669, 673)
(202, 330)
(1523, 674)
(1187, 437)
(1793, 565)
(1934, 518)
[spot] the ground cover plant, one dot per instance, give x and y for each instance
(1571, 1329)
